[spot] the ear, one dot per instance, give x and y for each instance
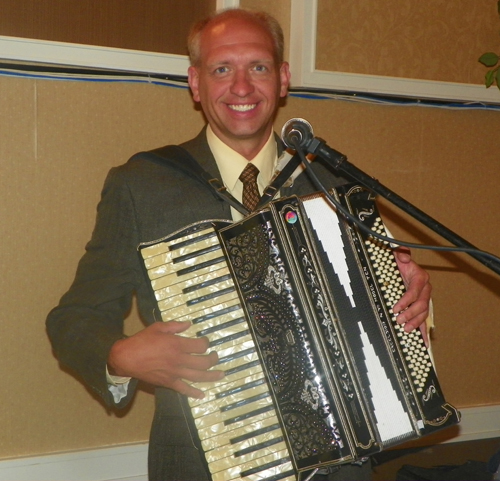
(285, 76)
(193, 80)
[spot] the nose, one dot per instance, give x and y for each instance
(242, 84)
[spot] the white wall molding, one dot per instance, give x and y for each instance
(76, 55)
(482, 422)
(303, 29)
(121, 463)
(129, 463)
(107, 58)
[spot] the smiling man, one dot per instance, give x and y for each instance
(238, 76)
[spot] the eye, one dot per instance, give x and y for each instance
(260, 68)
(222, 69)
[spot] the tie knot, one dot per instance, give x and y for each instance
(249, 174)
(251, 194)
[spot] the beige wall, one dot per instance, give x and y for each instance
(407, 38)
(57, 141)
(154, 26)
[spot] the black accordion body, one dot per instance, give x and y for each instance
(297, 303)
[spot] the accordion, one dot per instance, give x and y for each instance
(298, 304)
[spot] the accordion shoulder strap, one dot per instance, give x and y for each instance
(180, 159)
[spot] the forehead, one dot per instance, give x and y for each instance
(236, 36)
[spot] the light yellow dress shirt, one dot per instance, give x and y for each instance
(231, 165)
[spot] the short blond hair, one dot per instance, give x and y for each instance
(268, 22)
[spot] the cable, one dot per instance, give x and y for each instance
(388, 240)
(49, 72)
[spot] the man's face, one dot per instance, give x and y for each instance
(238, 82)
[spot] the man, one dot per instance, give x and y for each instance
(238, 76)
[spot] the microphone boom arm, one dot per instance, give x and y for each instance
(340, 163)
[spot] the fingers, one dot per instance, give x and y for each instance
(192, 345)
(413, 308)
(183, 387)
(416, 313)
(415, 301)
(425, 333)
(192, 369)
(418, 285)
(160, 356)
(197, 362)
(413, 317)
(418, 321)
(171, 327)
(403, 254)
(191, 362)
(182, 384)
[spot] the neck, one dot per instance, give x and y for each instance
(246, 147)
(248, 151)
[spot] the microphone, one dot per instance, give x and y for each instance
(297, 133)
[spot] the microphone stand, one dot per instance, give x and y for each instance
(339, 162)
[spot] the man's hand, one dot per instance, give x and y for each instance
(413, 307)
(158, 356)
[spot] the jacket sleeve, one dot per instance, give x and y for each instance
(90, 316)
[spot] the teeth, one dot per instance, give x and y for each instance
(242, 108)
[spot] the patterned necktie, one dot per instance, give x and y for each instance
(251, 194)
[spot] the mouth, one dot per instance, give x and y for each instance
(242, 107)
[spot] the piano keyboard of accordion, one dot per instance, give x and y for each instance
(298, 306)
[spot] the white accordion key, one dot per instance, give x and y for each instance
(222, 434)
(238, 445)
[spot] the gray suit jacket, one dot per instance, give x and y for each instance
(141, 201)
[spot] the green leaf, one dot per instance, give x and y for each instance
(489, 78)
(497, 77)
(489, 59)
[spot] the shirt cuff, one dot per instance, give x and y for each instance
(117, 385)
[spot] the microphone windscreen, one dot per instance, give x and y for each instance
(297, 132)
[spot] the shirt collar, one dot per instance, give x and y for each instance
(231, 164)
